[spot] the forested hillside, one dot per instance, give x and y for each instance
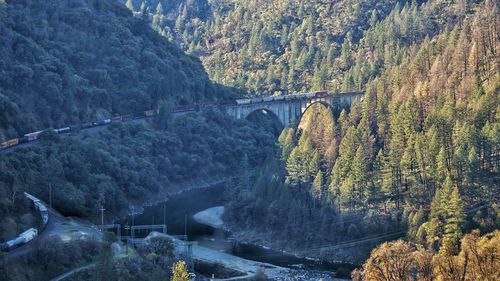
(64, 62)
(128, 163)
(266, 47)
(417, 157)
(273, 47)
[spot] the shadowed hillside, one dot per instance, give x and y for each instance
(69, 61)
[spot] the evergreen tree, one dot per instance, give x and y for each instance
(159, 9)
(294, 167)
(286, 141)
(454, 217)
(317, 186)
(130, 5)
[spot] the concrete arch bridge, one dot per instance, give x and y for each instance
(291, 107)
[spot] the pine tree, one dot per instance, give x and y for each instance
(442, 166)
(286, 141)
(294, 167)
(314, 164)
(130, 5)
(159, 9)
(454, 217)
(317, 186)
(359, 169)
(345, 54)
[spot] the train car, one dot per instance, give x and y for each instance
(310, 95)
(301, 95)
(33, 136)
(116, 118)
(139, 115)
(278, 98)
(127, 117)
(75, 127)
(39, 206)
(10, 143)
(149, 113)
(62, 130)
(23, 238)
(31, 197)
(181, 108)
(101, 122)
(242, 101)
(321, 94)
(266, 99)
(29, 234)
(23, 140)
(255, 100)
(44, 213)
(86, 125)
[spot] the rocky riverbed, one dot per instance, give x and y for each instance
(213, 217)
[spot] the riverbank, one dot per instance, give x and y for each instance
(172, 189)
(213, 217)
(245, 268)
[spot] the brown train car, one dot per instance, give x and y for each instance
(9, 143)
(127, 117)
(321, 94)
(116, 118)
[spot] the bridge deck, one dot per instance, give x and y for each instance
(292, 97)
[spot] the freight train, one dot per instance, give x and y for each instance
(21, 239)
(319, 94)
(40, 207)
(29, 137)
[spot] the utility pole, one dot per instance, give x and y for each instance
(127, 227)
(50, 195)
(164, 208)
(102, 218)
(185, 226)
(186, 250)
(133, 215)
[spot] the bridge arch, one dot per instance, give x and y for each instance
(289, 109)
(267, 117)
(303, 112)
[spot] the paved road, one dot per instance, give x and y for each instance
(117, 249)
(71, 272)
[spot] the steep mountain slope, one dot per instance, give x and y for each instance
(273, 47)
(68, 61)
(266, 47)
(418, 156)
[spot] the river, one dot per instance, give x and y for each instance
(177, 213)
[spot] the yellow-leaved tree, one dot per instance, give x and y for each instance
(179, 272)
